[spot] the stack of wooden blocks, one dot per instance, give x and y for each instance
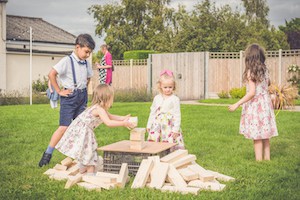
(68, 170)
(177, 172)
(137, 138)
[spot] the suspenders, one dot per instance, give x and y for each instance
(73, 71)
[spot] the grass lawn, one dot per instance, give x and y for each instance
(231, 101)
(211, 133)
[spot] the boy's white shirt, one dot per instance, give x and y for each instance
(170, 104)
(64, 70)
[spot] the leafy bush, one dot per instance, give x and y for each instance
(137, 54)
(223, 95)
(237, 93)
(40, 85)
(294, 72)
(283, 96)
(132, 95)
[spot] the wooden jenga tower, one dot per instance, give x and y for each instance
(137, 138)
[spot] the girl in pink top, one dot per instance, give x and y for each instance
(105, 67)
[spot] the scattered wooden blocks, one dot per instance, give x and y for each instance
(210, 185)
(50, 172)
(59, 175)
(89, 186)
(184, 160)
(221, 177)
(122, 177)
(158, 175)
(142, 174)
(73, 170)
(182, 190)
(175, 178)
(204, 175)
(109, 175)
(174, 156)
(72, 180)
(103, 182)
(67, 161)
(60, 167)
(188, 175)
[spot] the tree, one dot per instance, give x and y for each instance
(292, 31)
(257, 10)
(135, 24)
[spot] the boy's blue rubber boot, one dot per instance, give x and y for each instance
(45, 159)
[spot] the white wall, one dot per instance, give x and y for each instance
(2, 46)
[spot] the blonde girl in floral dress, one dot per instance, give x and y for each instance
(79, 141)
(257, 120)
(165, 117)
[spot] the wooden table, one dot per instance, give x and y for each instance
(117, 153)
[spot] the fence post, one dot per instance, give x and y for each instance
(279, 66)
(131, 71)
(206, 65)
(241, 68)
(149, 67)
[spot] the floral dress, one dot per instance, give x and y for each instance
(258, 119)
(164, 120)
(79, 140)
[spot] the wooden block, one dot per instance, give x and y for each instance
(184, 166)
(50, 172)
(188, 175)
(172, 157)
(155, 159)
(167, 184)
(67, 161)
(100, 181)
(221, 177)
(103, 179)
(72, 180)
(60, 167)
(59, 175)
(204, 175)
(133, 120)
(184, 160)
(137, 145)
(137, 134)
(123, 174)
(73, 170)
(159, 174)
(89, 186)
(184, 190)
(142, 174)
(175, 178)
(105, 174)
(210, 185)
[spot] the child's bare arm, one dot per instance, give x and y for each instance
(103, 114)
(246, 98)
(118, 117)
(52, 77)
(50, 87)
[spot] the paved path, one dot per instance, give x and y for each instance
(295, 109)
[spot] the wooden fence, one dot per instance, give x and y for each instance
(198, 74)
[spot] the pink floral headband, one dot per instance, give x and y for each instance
(166, 71)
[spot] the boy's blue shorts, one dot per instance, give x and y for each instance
(72, 106)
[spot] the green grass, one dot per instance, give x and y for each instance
(211, 133)
(231, 101)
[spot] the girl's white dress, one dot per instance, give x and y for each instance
(79, 141)
(164, 120)
(258, 119)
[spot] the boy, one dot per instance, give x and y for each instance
(74, 74)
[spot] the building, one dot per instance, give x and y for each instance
(50, 44)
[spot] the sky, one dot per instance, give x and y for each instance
(72, 15)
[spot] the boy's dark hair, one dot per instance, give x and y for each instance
(85, 40)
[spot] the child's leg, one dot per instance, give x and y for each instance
(57, 135)
(90, 169)
(258, 149)
(266, 147)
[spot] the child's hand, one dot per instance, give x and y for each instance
(129, 125)
(126, 118)
(148, 130)
(233, 107)
(65, 93)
